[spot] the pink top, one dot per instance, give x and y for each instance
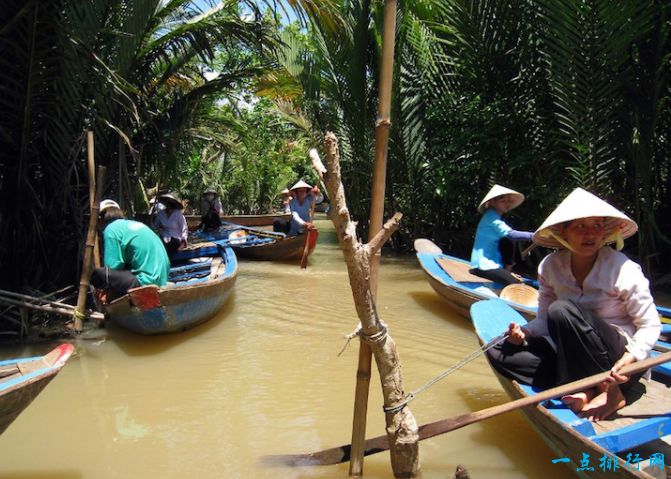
(614, 291)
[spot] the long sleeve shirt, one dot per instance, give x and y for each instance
(171, 225)
(614, 291)
(300, 212)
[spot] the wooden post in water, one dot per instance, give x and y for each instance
(375, 225)
(90, 150)
(88, 252)
(402, 430)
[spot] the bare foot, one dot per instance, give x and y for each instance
(604, 404)
(577, 401)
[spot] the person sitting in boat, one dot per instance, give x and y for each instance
(301, 205)
(280, 225)
(493, 235)
(594, 304)
(171, 223)
(285, 196)
(210, 211)
(133, 255)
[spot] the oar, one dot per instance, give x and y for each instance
(423, 245)
(308, 238)
(377, 444)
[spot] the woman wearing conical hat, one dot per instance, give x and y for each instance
(487, 260)
(304, 197)
(171, 223)
(594, 303)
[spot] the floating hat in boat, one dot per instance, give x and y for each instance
(498, 190)
(105, 204)
(171, 199)
(301, 184)
(583, 204)
(209, 191)
(520, 293)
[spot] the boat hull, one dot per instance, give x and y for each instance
(286, 249)
(177, 308)
(460, 295)
(18, 390)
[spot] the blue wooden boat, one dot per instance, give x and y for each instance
(21, 380)
(449, 276)
(201, 280)
(632, 438)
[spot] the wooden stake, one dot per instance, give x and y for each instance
(90, 149)
(88, 251)
(401, 426)
(375, 224)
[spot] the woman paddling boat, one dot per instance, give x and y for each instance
(595, 307)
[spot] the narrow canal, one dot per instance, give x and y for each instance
(265, 377)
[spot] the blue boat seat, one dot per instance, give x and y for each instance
(634, 435)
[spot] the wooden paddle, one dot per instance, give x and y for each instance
(377, 444)
(308, 237)
(423, 245)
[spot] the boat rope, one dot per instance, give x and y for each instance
(481, 350)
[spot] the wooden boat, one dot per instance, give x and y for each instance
(21, 380)
(449, 276)
(630, 440)
(258, 244)
(200, 282)
(192, 221)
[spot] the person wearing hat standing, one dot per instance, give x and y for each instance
(171, 223)
(210, 210)
(301, 205)
(133, 255)
(594, 304)
(487, 260)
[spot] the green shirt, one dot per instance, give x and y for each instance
(131, 245)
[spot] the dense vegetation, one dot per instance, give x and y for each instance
(539, 95)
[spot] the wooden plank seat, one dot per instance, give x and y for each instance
(460, 271)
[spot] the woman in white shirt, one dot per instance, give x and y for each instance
(171, 223)
(594, 305)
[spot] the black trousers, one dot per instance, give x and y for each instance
(281, 226)
(118, 281)
(583, 346)
(510, 254)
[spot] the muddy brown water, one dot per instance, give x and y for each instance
(264, 377)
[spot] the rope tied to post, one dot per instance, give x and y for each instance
(410, 396)
(375, 338)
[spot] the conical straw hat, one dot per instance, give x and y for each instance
(498, 190)
(583, 204)
(300, 184)
(171, 199)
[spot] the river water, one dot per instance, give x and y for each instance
(265, 377)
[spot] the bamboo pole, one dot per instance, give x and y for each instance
(86, 265)
(376, 214)
(90, 149)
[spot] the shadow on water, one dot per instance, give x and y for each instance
(432, 303)
(144, 345)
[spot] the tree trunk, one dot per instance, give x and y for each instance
(401, 425)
